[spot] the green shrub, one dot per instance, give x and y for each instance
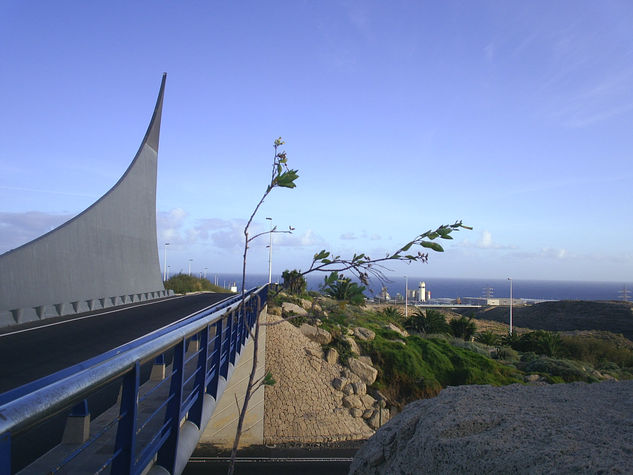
(390, 313)
(597, 350)
(541, 342)
(343, 289)
(423, 366)
(293, 282)
(507, 354)
(488, 338)
(183, 283)
(429, 322)
(463, 327)
(342, 346)
(561, 370)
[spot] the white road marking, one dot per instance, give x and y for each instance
(88, 316)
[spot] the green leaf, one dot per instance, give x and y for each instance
(287, 179)
(432, 245)
(406, 247)
(269, 380)
(321, 255)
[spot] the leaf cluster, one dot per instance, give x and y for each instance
(343, 289)
(428, 322)
(363, 266)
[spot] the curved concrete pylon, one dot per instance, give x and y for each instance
(108, 250)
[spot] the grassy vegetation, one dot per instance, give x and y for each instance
(183, 283)
(431, 358)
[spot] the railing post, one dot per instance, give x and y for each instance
(212, 388)
(126, 430)
(225, 364)
(195, 413)
(167, 453)
(235, 322)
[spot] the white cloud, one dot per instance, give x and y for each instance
(485, 242)
(17, 229)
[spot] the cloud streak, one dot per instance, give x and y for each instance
(17, 229)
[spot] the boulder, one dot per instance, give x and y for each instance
(367, 400)
(554, 428)
(360, 388)
(366, 360)
(393, 327)
(322, 337)
(314, 352)
(294, 309)
(353, 345)
(331, 356)
(352, 401)
(365, 372)
(363, 333)
(378, 418)
(339, 383)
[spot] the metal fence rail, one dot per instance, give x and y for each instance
(162, 391)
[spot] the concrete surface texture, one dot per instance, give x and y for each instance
(107, 255)
(303, 407)
(560, 428)
(220, 431)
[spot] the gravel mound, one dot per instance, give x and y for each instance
(561, 428)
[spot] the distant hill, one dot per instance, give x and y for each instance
(567, 315)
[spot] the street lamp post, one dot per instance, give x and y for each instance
(270, 252)
(510, 279)
(190, 266)
(165, 263)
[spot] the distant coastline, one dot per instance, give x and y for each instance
(442, 287)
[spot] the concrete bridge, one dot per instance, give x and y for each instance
(103, 369)
(143, 405)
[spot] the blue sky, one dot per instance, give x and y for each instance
(400, 116)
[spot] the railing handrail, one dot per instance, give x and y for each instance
(30, 408)
(33, 386)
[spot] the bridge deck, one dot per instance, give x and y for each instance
(31, 352)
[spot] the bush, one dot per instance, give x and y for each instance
(342, 346)
(183, 283)
(423, 366)
(463, 328)
(343, 289)
(541, 342)
(508, 354)
(488, 338)
(559, 370)
(293, 282)
(390, 313)
(597, 350)
(427, 322)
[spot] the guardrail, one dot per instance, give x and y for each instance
(150, 400)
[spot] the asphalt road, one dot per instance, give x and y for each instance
(30, 352)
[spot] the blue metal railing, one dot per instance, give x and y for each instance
(146, 424)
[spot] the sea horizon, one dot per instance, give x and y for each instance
(447, 287)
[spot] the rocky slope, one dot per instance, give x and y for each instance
(303, 406)
(562, 428)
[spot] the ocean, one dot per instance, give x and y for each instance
(455, 287)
